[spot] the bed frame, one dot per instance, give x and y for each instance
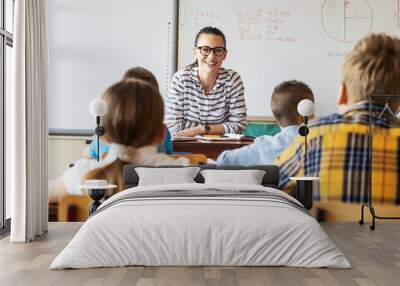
(75, 208)
(270, 179)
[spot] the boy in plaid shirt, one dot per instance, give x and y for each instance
(337, 149)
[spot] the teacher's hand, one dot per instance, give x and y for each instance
(191, 132)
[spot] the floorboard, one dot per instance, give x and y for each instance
(374, 255)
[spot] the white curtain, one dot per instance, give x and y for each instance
(27, 127)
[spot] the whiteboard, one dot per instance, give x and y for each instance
(93, 42)
(269, 41)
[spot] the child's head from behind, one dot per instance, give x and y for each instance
(135, 112)
(141, 73)
(285, 98)
(372, 68)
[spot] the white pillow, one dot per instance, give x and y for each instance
(249, 177)
(166, 176)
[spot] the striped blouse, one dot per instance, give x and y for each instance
(187, 106)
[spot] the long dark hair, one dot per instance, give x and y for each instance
(211, 31)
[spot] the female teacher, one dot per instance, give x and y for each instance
(203, 97)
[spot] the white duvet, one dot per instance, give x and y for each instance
(219, 231)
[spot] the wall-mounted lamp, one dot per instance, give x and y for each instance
(305, 109)
(304, 185)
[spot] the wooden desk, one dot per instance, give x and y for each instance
(209, 148)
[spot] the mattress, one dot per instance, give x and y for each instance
(201, 225)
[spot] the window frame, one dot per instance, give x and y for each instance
(6, 39)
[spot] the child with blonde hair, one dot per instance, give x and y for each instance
(338, 144)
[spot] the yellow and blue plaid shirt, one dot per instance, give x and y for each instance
(337, 152)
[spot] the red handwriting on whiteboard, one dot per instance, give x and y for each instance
(205, 18)
(264, 24)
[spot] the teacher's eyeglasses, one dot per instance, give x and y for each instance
(218, 51)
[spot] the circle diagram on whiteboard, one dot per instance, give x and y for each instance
(347, 20)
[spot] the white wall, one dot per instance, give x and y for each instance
(93, 42)
(63, 151)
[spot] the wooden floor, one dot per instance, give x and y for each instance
(374, 255)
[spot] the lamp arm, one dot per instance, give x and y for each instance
(305, 143)
(305, 153)
(99, 131)
(98, 137)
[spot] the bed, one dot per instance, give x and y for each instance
(201, 224)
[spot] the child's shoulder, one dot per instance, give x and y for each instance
(280, 138)
(331, 119)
